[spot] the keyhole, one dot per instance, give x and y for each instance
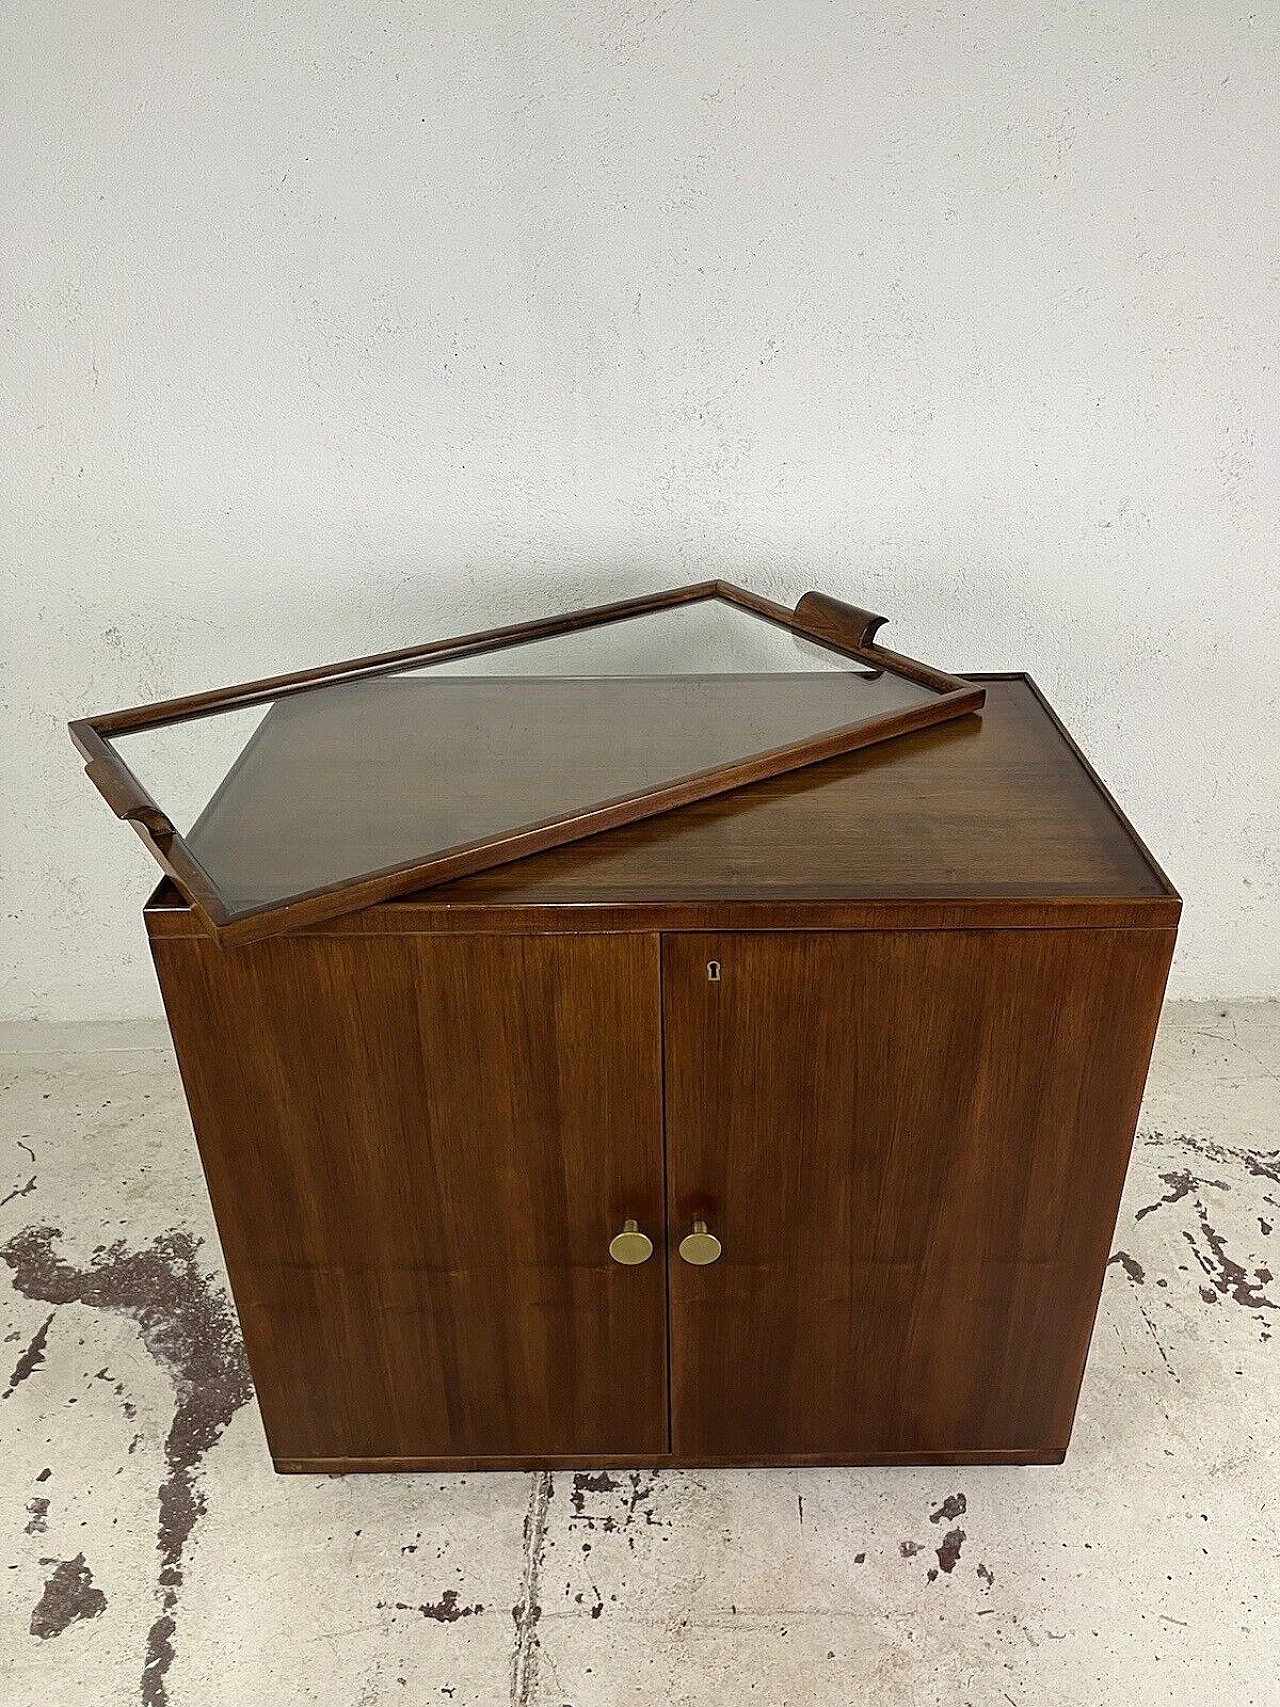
(713, 971)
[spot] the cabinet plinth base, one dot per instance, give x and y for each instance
(775, 1461)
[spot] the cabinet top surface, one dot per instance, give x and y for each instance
(996, 807)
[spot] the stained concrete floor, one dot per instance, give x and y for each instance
(152, 1556)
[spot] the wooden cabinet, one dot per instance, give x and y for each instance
(882, 1025)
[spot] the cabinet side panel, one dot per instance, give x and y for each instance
(417, 1151)
(912, 1146)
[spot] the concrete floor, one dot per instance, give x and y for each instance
(154, 1557)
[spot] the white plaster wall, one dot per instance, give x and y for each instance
(328, 327)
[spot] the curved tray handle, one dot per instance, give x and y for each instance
(847, 625)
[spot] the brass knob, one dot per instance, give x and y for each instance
(700, 1247)
(630, 1245)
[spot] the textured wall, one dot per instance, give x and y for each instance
(330, 327)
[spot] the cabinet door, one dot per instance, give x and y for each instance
(418, 1149)
(911, 1145)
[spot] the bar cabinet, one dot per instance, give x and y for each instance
(786, 1127)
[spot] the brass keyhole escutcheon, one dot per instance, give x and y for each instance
(630, 1246)
(700, 1247)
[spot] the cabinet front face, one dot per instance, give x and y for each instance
(911, 1146)
(418, 1149)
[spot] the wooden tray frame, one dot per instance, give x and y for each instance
(840, 627)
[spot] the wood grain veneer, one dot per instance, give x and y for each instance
(417, 1152)
(912, 1147)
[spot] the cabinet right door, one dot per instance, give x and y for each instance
(911, 1146)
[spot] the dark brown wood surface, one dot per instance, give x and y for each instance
(912, 1147)
(997, 805)
(992, 819)
(417, 1153)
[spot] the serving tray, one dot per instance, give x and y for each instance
(283, 802)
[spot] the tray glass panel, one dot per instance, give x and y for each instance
(440, 760)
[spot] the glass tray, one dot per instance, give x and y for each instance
(289, 801)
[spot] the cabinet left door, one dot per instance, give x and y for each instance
(418, 1149)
